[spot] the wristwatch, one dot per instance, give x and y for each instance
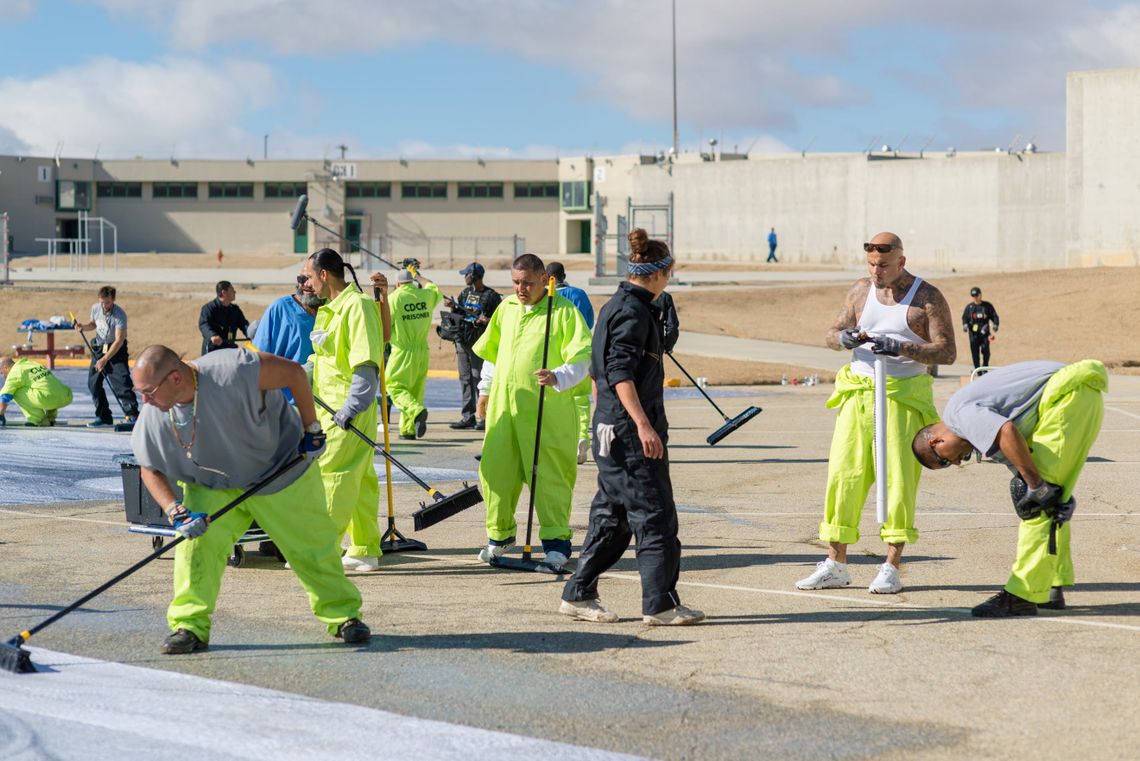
(313, 427)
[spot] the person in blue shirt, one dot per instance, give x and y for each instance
(772, 247)
(285, 327)
(582, 391)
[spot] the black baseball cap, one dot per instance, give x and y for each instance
(474, 268)
(975, 291)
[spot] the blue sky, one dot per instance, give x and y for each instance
(541, 78)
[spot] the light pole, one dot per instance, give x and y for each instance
(674, 78)
(266, 149)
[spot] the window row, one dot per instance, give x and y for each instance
(575, 195)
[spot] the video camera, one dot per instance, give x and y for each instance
(410, 262)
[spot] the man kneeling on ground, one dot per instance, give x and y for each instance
(33, 388)
(220, 425)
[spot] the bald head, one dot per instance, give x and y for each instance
(890, 239)
(156, 360)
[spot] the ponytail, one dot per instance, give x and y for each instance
(330, 261)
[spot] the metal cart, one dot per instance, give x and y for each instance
(146, 517)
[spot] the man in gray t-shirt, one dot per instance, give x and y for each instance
(220, 425)
(109, 360)
(1040, 419)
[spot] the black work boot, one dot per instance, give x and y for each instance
(354, 631)
(1005, 605)
(421, 424)
(1056, 600)
(183, 641)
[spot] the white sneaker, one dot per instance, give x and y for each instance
(887, 582)
(556, 559)
(587, 610)
(828, 575)
(583, 450)
(363, 563)
(493, 551)
(679, 616)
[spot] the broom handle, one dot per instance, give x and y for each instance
(384, 420)
(389, 458)
(157, 553)
(541, 399)
(880, 416)
(697, 385)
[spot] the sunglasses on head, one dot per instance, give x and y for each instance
(882, 248)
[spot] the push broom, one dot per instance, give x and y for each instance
(14, 658)
(126, 426)
(392, 540)
(730, 424)
(526, 563)
(443, 507)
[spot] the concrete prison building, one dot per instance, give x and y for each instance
(999, 208)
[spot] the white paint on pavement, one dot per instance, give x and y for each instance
(94, 710)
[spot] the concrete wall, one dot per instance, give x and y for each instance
(1103, 151)
(976, 210)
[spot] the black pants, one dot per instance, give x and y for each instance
(980, 344)
(118, 373)
(634, 500)
(470, 366)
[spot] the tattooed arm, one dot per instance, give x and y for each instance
(848, 316)
(939, 328)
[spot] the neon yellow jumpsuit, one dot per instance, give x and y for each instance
(37, 392)
(407, 368)
(1069, 418)
(300, 526)
(851, 463)
(513, 342)
(347, 334)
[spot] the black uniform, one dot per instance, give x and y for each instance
(976, 320)
(472, 304)
(635, 494)
(217, 319)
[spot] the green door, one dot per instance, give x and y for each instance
(585, 245)
(352, 228)
(301, 238)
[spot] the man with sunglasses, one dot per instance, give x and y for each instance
(219, 426)
(1040, 419)
(903, 320)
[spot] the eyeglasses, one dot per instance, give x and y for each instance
(942, 461)
(882, 248)
(157, 386)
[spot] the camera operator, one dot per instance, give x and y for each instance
(474, 306)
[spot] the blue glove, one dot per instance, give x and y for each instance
(190, 525)
(312, 443)
(885, 345)
(849, 338)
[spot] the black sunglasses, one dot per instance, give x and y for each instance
(942, 461)
(882, 248)
(302, 279)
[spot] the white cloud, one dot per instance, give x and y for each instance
(15, 10)
(174, 106)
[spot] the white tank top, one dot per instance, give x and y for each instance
(877, 319)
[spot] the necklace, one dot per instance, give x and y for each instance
(188, 446)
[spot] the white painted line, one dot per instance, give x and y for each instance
(5, 511)
(872, 602)
(1123, 412)
(84, 708)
